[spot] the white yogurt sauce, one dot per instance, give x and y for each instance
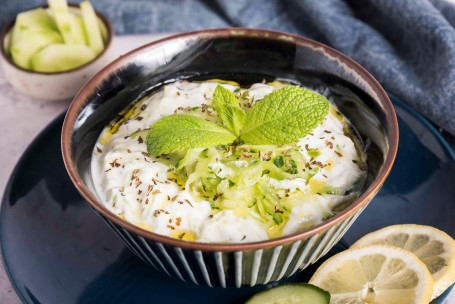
(134, 185)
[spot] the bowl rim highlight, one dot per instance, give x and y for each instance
(80, 100)
(7, 29)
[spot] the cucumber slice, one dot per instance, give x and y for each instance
(301, 293)
(36, 20)
(61, 57)
(95, 40)
(31, 42)
(142, 133)
(103, 31)
(59, 9)
(77, 28)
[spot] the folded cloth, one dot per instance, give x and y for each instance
(408, 45)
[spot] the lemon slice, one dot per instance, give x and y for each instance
(376, 274)
(433, 247)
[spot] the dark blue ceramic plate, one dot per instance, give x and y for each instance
(56, 249)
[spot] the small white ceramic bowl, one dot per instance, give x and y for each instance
(59, 85)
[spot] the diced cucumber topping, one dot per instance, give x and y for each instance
(293, 293)
(142, 133)
(61, 57)
(251, 180)
(312, 172)
(95, 40)
(313, 152)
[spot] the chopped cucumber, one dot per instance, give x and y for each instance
(103, 31)
(23, 50)
(142, 133)
(300, 293)
(61, 57)
(36, 20)
(240, 178)
(39, 35)
(95, 40)
(191, 157)
(78, 30)
(62, 17)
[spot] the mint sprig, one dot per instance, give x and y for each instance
(284, 116)
(183, 132)
(228, 109)
(281, 117)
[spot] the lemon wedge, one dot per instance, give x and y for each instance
(376, 274)
(432, 246)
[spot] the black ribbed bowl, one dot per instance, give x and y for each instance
(245, 56)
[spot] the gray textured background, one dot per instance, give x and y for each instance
(408, 45)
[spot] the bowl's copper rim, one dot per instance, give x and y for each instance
(81, 98)
(10, 24)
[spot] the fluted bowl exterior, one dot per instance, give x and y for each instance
(234, 268)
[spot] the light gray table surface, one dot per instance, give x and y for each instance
(29, 116)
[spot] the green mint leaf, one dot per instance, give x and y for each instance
(228, 109)
(284, 116)
(183, 132)
(279, 161)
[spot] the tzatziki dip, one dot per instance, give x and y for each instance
(226, 193)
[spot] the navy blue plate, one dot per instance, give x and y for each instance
(56, 249)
